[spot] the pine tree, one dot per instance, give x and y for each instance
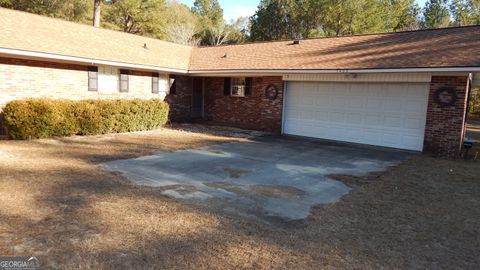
(436, 14)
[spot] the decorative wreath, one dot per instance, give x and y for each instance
(445, 96)
(271, 92)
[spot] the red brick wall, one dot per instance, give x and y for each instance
(445, 124)
(252, 112)
(181, 102)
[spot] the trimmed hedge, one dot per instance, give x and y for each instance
(44, 118)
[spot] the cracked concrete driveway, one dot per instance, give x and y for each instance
(267, 178)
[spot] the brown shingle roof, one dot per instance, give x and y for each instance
(449, 47)
(29, 32)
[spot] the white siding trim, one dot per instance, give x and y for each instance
(374, 77)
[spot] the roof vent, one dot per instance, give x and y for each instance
(225, 55)
(296, 41)
(145, 46)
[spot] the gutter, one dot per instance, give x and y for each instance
(334, 71)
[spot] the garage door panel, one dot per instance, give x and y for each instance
(356, 103)
(413, 123)
(322, 116)
(389, 121)
(372, 135)
(393, 139)
(376, 91)
(352, 134)
(338, 102)
(374, 104)
(338, 117)
(391, 115)
(372, 120)
(322, 101)
(394, 91)
(308, 100)
(412, 141)
(411, 91)
(414, 107)
(354, 118)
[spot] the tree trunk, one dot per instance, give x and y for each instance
(96, 13)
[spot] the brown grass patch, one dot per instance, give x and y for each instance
(57, 204)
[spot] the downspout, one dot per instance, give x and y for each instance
(467, 108)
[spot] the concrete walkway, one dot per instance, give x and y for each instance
(268, 178)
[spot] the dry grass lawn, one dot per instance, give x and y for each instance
(57, 204)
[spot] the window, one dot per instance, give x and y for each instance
(173, 85)
(155, 79)
(108, 80)
(92, 79)
(124, 81)
(238, 87)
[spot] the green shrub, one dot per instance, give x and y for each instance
(43, 118)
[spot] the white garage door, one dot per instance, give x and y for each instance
(383, 114)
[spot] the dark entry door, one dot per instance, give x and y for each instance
(197, 98)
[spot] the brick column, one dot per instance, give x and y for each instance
(181, 102)
(445, 124)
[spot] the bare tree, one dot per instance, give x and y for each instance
(182, 33)
(218, 35)
(182, 25)
(97, 5)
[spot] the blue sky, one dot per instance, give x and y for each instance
(233, 9)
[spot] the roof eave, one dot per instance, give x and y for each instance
(224, 72)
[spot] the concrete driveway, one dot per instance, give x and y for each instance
(268, 178)
(473, 129)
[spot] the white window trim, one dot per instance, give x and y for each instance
(156, 83)
(238, 90)
(93, 79)
(108, 80)
(124, 77)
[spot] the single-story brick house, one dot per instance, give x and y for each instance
(405, 90)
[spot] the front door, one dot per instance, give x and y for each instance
(197, 98)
